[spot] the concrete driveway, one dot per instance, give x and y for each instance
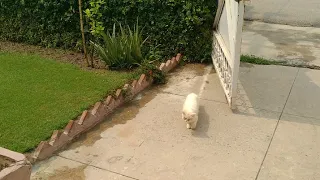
(289, 12)
(295, 45)
(275, 30)
(273, 134)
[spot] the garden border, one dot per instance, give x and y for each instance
(96, 114)
(19, 169)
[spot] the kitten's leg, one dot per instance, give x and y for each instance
(188, 126)
(182, 116)
(194, 123)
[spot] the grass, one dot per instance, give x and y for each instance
(261, 61)
(40, 95)
(258, 60)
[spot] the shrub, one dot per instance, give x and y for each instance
(171, 25)
(121, 50)
(47, 23)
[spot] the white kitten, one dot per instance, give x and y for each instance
(190, 111)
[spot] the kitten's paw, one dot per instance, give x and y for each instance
(188, 126)
(193, 126)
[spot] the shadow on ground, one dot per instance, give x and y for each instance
(203, 124)
(266, 90)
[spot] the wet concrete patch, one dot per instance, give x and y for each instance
(68, 174)
(115, 140)
(295, 45)
(185, 80)
(197, 69)
(120, 116)
(57, 168)
(131, 109)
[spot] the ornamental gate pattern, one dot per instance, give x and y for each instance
(226, 45)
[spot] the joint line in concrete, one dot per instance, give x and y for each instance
(97, 167)
(275, 129)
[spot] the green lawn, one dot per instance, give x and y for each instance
(40, 95)
(259, 60)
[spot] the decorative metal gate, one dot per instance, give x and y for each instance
(226, 45)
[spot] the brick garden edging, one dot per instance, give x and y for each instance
(93, 116)
(19, 167)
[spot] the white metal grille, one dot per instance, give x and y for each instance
(222, 66)
(226, 45)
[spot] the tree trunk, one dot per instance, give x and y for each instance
(82, 32)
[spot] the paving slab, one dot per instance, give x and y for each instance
(57, 168)
(187, 81)
(213, 90)
(292, 12)
(93, 173)
(295, 45)
(265, 87)
(148, 140)
(224, 146)
(304, 99)
(294, 153)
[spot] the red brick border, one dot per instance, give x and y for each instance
(93, 116)
(20, 169)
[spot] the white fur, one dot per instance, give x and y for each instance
(190, 111)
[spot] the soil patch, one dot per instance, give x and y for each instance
(5, 162)
(67, 56)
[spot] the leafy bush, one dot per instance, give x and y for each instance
(153, 71)
(47, 23)
(122, 50)
(171, 25)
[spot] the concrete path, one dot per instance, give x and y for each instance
(290, 12)
(296, 45)
(273, 134)
(276, 30)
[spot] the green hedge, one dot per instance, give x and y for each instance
(52, 23)
(172, 25)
